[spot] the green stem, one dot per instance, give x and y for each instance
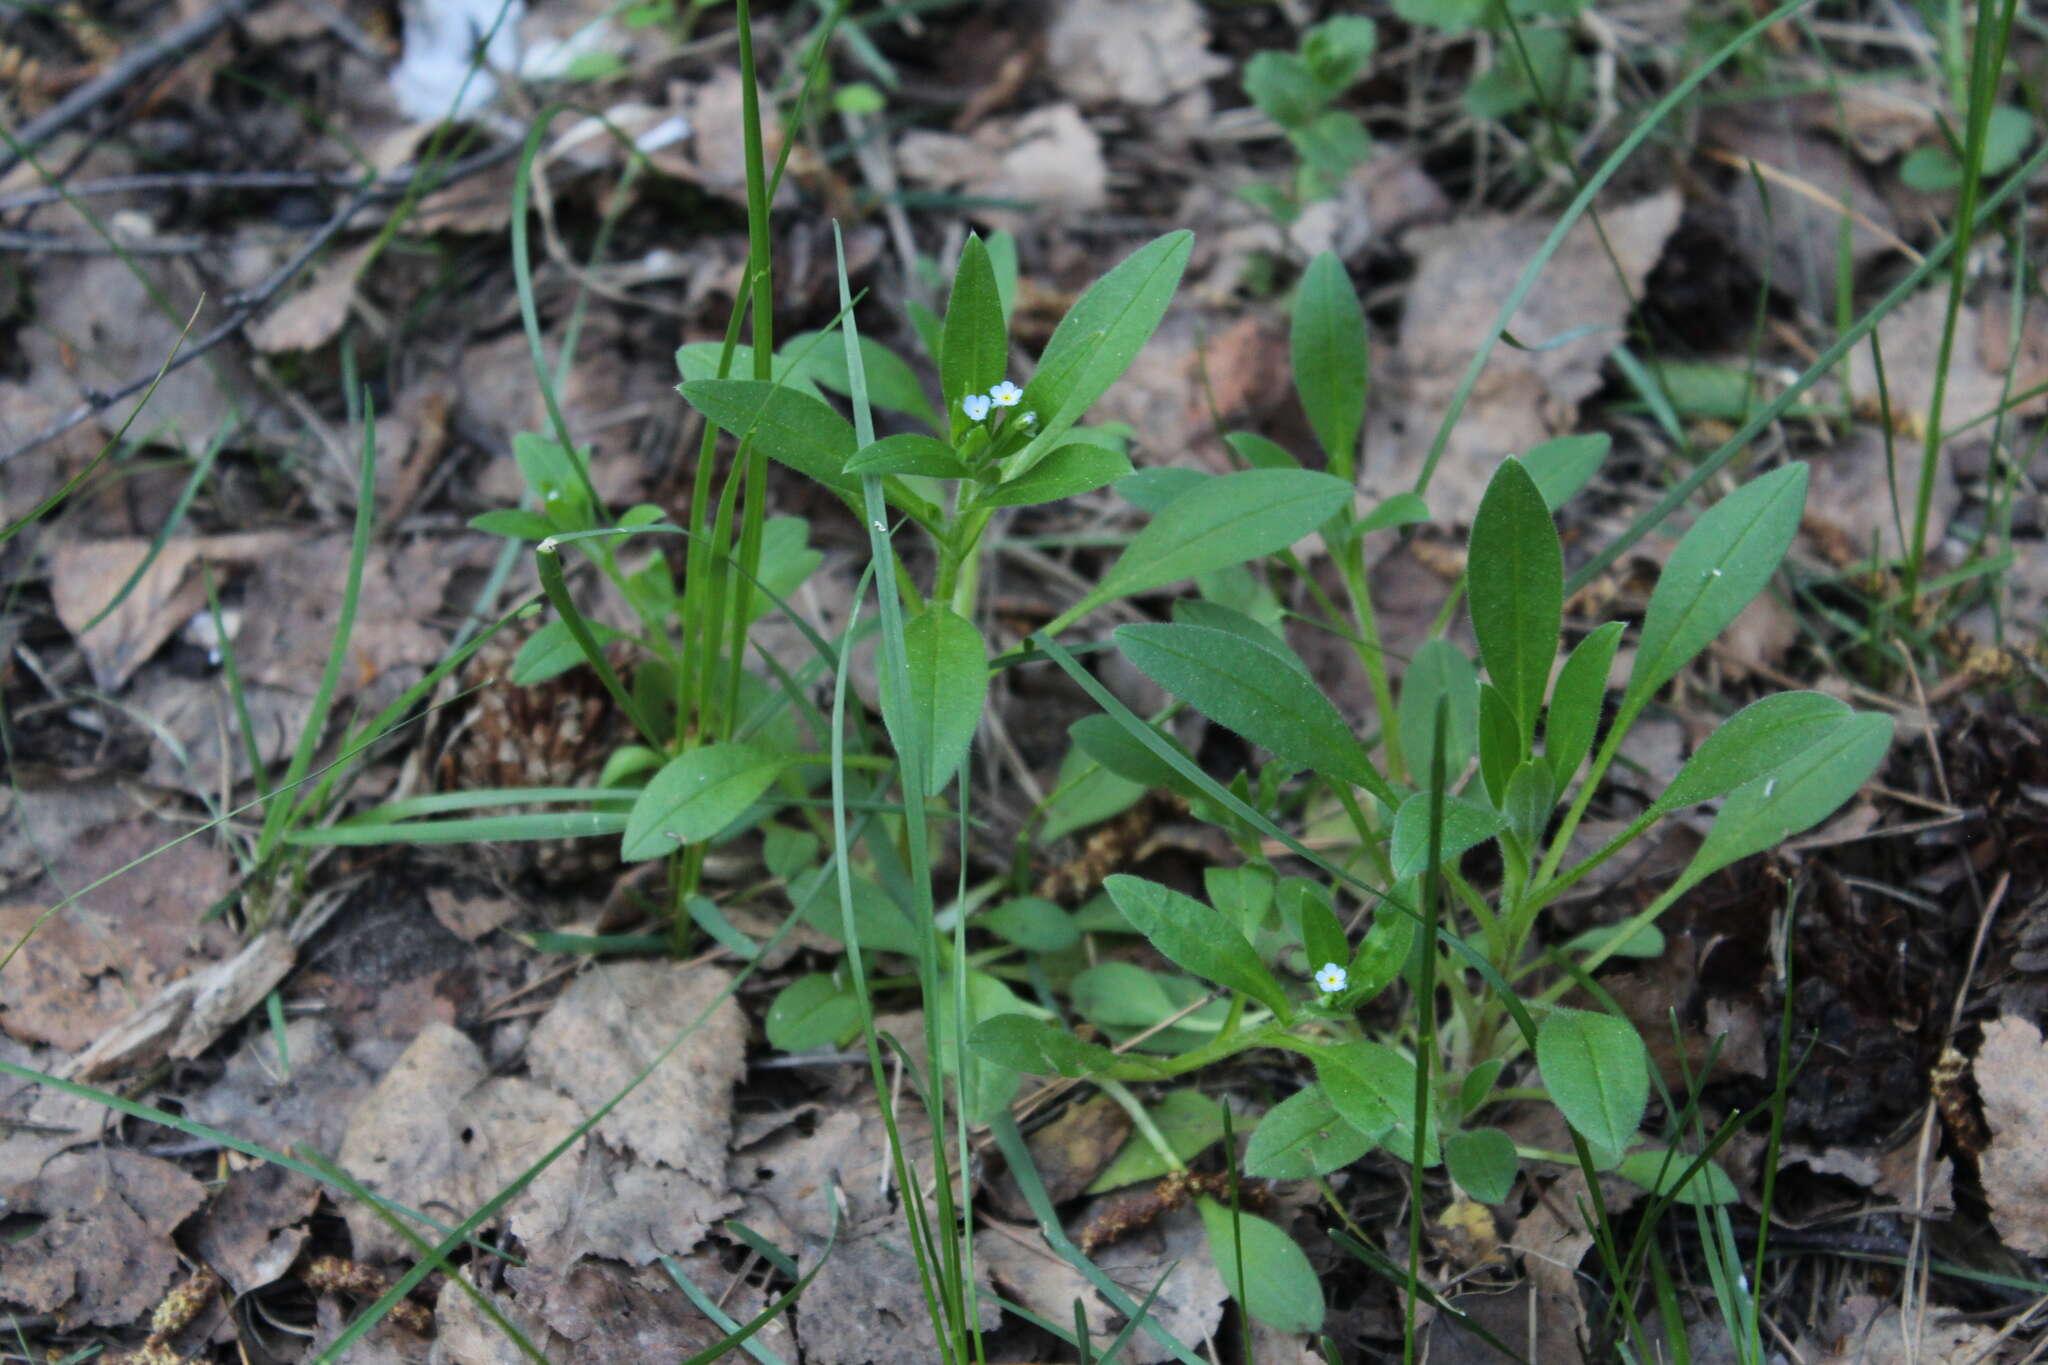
(1370, 653)
(1141, 1121)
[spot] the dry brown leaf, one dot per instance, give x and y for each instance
(1139, 52)
(1789, 235)
(103, 1255)
(1552, 1240)
(865, 1306)
(1850, 489)
(311, 317)
(1382, 197)
(1195, 358)
(86, 966)
(99, 326)
(63, 987)
(612, 1023)
(1524, 397)
(1909, 338)
(1867, 1330)
(470, 914)
(294, 597)
(86, 575)
(256, 1225)
(2011, 1069)
(441, 1135)
(1068, 1154)
(1049, 158)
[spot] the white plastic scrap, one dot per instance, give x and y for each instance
(441, 41)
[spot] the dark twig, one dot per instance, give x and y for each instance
(189, 182)
(247, 304)
(52, 244)
(168, 46)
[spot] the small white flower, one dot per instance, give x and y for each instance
(975, 405)
(1331, 978)
(1006, 395)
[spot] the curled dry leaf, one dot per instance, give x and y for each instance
(2012, 1077)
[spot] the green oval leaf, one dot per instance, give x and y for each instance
(1483, 1162)
(1104, 739)
(1191, 935)
(1189, 1121)
(1273, 1278)
(1223, 521)
(974, 349)
(1502, 743)
(1721, 564)
(1373, 1087)
(1531, 792)
(1765, 811)
(1303, 1136)
(1400, 509)
(791, 428)
(1758, 740)
(1199, 611)
(1597, 1073)
(812, 1011)
(1067, 472)
(1466, 825)
(1033, 924)
(891, 383)
(1384, 950)
(694, 796)
(1439, 669)
(1236, 684)
(1101, 334)
(1563, 466)
(1260, 452)
(908, 453)
(1327, 341)
(1515, 579)
(1576, 700)
(1036, 1047)
(948, 684)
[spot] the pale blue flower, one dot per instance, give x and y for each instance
(1331, 978)
(975, 405)
(1006, 395)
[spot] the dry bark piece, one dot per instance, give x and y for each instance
(190, 1014)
